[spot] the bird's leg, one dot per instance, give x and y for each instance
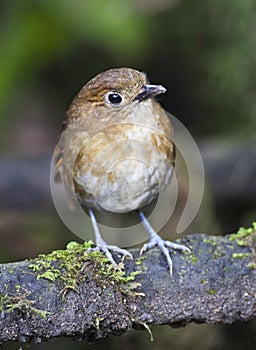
(156, 240)
(102, 246)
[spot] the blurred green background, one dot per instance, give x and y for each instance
(203, 51)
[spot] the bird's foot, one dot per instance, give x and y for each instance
(163, 245)
(105, 249)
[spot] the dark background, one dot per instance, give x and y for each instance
(203, 51)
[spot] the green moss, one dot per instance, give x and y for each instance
(211, 240)
(240, 255)
(252, 265)
(10, 303)
(194, 258)
(241, 243)
(139, 260)
(203, 280)
(211, 291)
(67, 266)
(243, 233)
(97, 322)
(62, 265)
(245, 237)
(17, 288)
(50, 275)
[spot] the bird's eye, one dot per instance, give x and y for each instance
(114, 98)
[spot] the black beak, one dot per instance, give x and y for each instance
(150, 91)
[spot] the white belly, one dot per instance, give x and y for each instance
(124, 175)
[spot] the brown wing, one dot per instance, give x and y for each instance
(58, 161)
(58, 153)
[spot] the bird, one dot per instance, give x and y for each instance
(116, 152)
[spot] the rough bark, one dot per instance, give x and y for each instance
(216, 283)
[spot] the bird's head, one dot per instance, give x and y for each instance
(113, 90)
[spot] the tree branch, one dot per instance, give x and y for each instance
(216, 283)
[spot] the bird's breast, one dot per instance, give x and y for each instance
(123, 167)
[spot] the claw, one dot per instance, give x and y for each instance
(156, 240)
(163, 246)
(102, 246)
(105, 249)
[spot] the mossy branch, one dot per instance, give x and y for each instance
(72, 293)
